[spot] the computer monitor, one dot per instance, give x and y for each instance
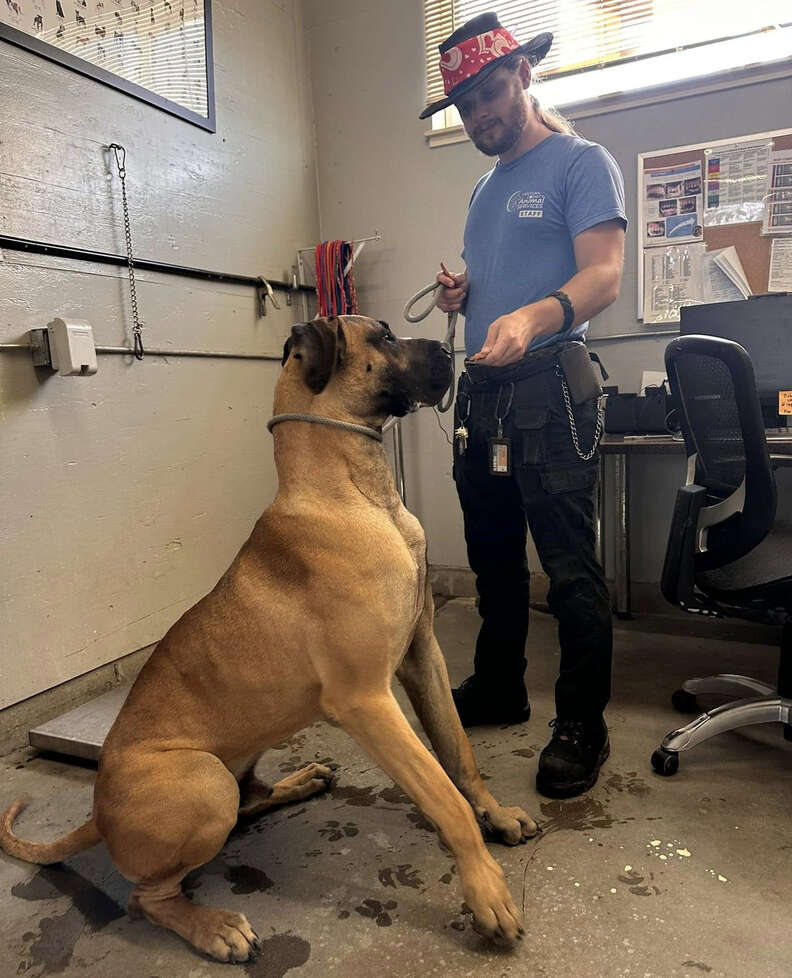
(761, 324)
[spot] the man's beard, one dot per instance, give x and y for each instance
(508, 133)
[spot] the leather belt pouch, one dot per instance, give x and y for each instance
(579, 371)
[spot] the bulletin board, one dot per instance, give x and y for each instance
(721, 194)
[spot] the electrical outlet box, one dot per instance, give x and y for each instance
(72, 348)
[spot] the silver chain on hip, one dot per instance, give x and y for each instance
(137, 325)
(585, 456)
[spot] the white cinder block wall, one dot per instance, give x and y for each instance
(125, 495)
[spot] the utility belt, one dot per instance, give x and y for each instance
(572, 363)
(481, 377)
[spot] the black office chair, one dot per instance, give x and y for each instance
(727, 556)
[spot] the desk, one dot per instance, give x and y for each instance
(622, 449)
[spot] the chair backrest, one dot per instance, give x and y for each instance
(712, 382)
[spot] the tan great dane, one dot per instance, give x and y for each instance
(324, 603)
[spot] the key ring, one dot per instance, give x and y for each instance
(468, 398)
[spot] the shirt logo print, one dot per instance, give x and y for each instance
(526, 203)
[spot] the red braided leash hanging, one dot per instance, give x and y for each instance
(335, 292)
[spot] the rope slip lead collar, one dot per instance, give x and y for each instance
(360, 429)
(448, 342)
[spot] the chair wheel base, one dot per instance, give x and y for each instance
(665, 762)
(684, 702)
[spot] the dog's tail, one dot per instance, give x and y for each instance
(44, 853)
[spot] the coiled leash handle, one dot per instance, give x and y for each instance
(448, 342)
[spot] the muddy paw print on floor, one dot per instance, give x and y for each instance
(292, 764)
(293, 743)
(635, 882)
(463, 919)
(419, 820)
(377, 911)
(333, 831)
(629, 782)
(401, 875)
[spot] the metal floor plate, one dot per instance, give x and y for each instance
(82, 731)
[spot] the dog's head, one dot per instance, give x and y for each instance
(358, 367)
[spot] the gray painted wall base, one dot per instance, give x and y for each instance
(82, 731)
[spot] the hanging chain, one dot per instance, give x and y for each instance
(137, 325)
(585, 456)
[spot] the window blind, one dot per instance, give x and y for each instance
(598, 34)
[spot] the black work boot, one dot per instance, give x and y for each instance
(478, 705)
(570, 763)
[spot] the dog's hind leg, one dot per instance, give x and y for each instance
(424, 676)
(377, 723)
(257, 797)
(163, 815)
(222, 934)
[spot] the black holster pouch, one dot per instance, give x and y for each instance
(581, 377)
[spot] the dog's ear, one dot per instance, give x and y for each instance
(286, 350)
(341, 344)
(321, 345)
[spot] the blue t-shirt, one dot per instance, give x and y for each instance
(522, 219)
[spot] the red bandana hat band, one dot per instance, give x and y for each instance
(468, 57)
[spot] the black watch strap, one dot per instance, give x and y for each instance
(566, 305)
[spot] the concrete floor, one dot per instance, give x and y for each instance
(645, 877)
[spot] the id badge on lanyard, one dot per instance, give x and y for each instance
(500, 447)
(500, 455)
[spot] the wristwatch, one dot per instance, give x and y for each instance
(566, 305)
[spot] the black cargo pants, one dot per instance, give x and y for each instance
(551, 492)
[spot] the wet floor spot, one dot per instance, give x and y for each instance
(247, 879)
(353, 795)
(578, 814)
(524, 752)
(279, 954)
(53, 946)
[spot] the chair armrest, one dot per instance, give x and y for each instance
(679, 574)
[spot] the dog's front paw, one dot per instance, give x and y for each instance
(508, 825)
(495, 914)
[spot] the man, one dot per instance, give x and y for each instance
(543, 249)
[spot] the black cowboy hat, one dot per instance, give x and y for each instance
(495, 44)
